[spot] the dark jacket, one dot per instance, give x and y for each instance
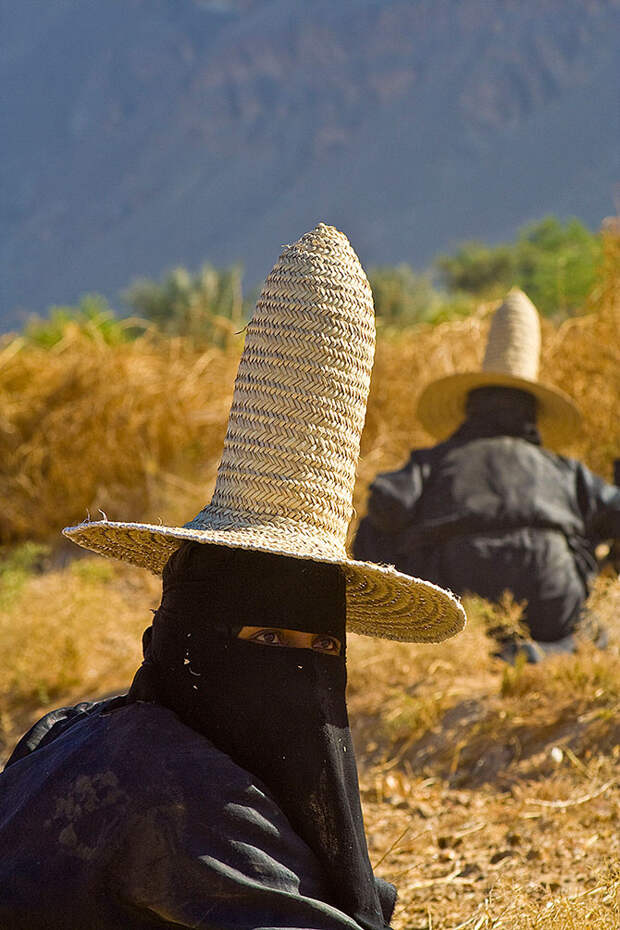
(491, 514)
(117, 815)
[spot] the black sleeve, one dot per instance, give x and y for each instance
(391, 504)
(600, 505)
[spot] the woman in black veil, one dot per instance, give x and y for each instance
(221, 791)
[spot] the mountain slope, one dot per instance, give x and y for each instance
(144, 133)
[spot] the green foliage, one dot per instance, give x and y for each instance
(92, 571)
(401, 296)
(92, 318)
(17, 565)
(455, 306)
(554, 263)
(479, 269)
(203, 307)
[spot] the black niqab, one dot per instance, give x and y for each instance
(279, 712)
(499, 411)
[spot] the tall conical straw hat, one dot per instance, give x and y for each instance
(511, 360)
(285, 480)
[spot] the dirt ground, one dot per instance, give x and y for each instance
(499, 810)
(497, 856)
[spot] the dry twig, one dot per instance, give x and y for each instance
(562, 805)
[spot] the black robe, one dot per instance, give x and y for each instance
(117, 815)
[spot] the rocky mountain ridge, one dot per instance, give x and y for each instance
(145, 133)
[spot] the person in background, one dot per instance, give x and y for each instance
(489, 508)
(221, 792)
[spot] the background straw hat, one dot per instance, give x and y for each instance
(511, 360)
(285, 480)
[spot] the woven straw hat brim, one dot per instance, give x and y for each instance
(441, 407)
(381, 601)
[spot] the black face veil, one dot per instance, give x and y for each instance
(279, 712)
(499, 411)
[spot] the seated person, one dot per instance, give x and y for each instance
(489, 508)
(137, 813)
(221, 791)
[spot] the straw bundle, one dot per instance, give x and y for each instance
(89, 426)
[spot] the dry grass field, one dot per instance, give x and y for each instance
(490, 792)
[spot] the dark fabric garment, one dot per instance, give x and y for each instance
(117, 815)
(56, 722)
(492, 513)
(278, 712)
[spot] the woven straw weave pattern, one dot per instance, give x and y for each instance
(513, 346)
(299, 403)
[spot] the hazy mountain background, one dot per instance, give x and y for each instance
(139, 134)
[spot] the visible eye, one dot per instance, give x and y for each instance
(268, 638)
(328, 644)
